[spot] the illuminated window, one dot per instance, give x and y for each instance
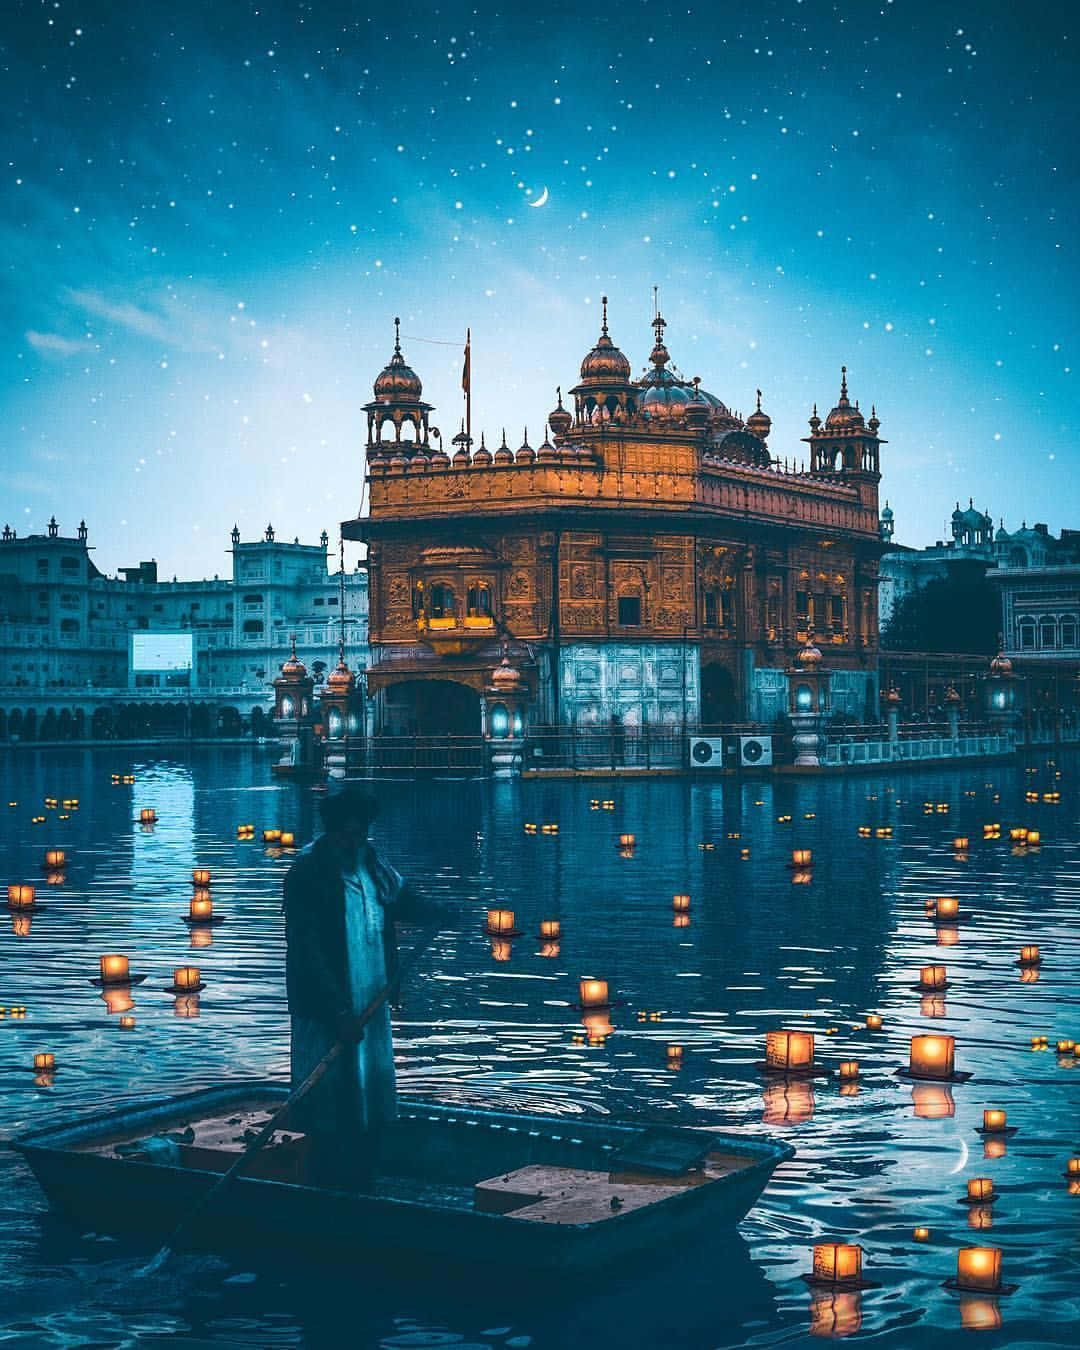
(479, 601)
(441, 601)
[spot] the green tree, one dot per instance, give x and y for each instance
(960, 613)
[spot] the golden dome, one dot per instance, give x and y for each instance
(341, 679)
(952, 695)
(605, 364)
(506, 678)
(1001, 665)
(893, 695)
(294, 670)
(559, 420)
(810, 655)
(397, 382)
(760, 423)
(844, 417)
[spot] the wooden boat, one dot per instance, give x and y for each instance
(456, 1184)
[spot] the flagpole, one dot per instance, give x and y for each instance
(468, 384)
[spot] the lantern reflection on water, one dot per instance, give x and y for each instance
(932, 1102)
(788, 1103)
(598, 1026)
(20, 923)
(789, 1049)
(118, 999)
(127, 1023)
(550, 949)
(501, 949)
(979, 1269)
(980, 1314)
(680, 921)
(201, 936)
(186, 1005)
(994, 1146)
(947, 935)
(200, 876)
(836, 1314)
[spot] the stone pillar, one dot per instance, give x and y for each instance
(952, 711)
(505, 708)
(808, 687)
(892, 717)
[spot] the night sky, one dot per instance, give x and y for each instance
(212, 212)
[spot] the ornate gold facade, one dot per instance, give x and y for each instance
(649, 559)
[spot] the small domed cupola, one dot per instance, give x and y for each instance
(605, 364)
(559, 420)
(397, 401)
(760, 423)
(526, 454)
(604, 392)
(504, 455)
(483, 456)
(844, 417)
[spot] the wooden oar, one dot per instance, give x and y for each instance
(297, 1095)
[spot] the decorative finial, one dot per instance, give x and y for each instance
(659, 324)
(603, 326)
(843, 384)
(397, 336)
(292, 639)
(759, 400)
(503, 445)
(558, 391)
(526, 440)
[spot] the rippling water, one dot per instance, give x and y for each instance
(759, 952)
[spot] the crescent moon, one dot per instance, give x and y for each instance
(541, 200)
(963, 1159)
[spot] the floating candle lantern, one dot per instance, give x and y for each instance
(921, 1234)
(980, 1190)
(932, 1057)
(837, 1263)
(550, 929)
(115, 969)
(802, 857)
(1066, 1047)
(549, 829)
(20, 896)
(44, 1062)
(530, 828)
(147, 816)
(202, 907)
(979, 1269)
(288, 839)
(873, 1021)
(271, 836)
(933, 977)
(186, 978)
(1034, 838)
(680, 903)
(627, 840)
(849, 1070)
(55, 858)
(994, 1119)
(200, 877)
(789, 1049)
(675, 1056)
(127, 1023)
(500, 922)
(865, 832)
(1072, 1168)
(960, 843)
(593, 993)
(1018, 834)
(1029, 956)
(947, 907)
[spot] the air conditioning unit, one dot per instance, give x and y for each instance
(755, 751)
(706, 752)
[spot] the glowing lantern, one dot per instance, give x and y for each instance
(802, 857)
(627, 840)
(202, 907)
(593, 993)
(55, 858)
(1034, 838)
(1072, 1168)
(933, 977)
(1066, 1047)
(200, 877)
(921, 1234)
(550, 929)
(960, 843)
(801, 877)
(44, 1062)
(980, 1189)
(837, 1262)
(994, 1119)
(288, 839)
(118, 998)
(789, 1049)
(500, 922)
(873, 1022)
(849, 1070)
(1029, 956)
(932, 1056)
(20, 897)
(1018, 835)
(947, 907)
(675, 1056)
(271, 836)
(115, 969)
(186, 978)
(147, 816)
(979, 1269)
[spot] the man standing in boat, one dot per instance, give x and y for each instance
(342, 903)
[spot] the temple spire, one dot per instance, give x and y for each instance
(843, 385)
(397, 336)
(603, 326)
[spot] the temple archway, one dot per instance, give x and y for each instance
(431, 708)
(718, 698)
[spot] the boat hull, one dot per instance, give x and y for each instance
(125, 1196)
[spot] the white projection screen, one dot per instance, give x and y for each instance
(160, 651)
